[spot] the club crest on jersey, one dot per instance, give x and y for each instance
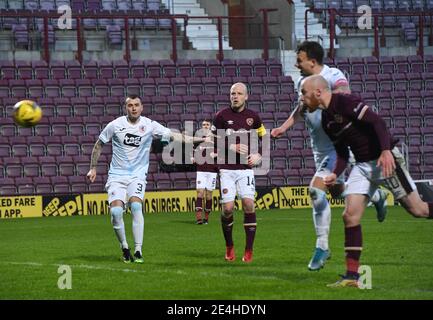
(250, 121)
(338, 118)
(142, 128)
(132, 140)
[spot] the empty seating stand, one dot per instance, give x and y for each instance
(79, 100)
(151, 7)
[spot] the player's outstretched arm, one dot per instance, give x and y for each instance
(179, 137)
(290, 122)
(96, 152)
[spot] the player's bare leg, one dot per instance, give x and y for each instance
(137, 227)
(250, 226)
(199, 206)
(322, 222)
(227, 227)
(355, 207)
(208, 206)
(416, 207)
(116, 211)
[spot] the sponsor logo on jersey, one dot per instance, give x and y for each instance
(240, 131)
(121, 129)
(250, 121)
(230, 122)
(132, 140)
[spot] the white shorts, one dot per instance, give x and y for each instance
(237, 181)
(325, 164)
(123, 188)
(365, 178)
(206, 180)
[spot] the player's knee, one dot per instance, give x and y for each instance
(116, 216)
(228, 211)
(200, 193)
(249, 208)
(318, 198)
(350, 217)
(136, 207)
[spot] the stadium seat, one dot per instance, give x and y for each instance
(183, 68)
(24, 69)
(370, 82)
(42, 185)
(25, 186)
(60, 185)
(5, 150)
(276, 178)
(19, 150)
(210, 86)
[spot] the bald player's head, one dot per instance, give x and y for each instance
(317, 82)
(314, 89)
(238, 96)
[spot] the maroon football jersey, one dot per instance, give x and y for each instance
(240, 125)
(202, 155)
(349, 122)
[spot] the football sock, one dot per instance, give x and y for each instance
(198, 209)
(430, 210)
(118, 225)
(353, 248)
(208, 208)
(137, 225)
(321, 217)
(227, 226)
(250, 226)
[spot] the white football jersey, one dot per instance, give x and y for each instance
(131, 145)
(320, 142)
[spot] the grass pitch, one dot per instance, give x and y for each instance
(186, 261)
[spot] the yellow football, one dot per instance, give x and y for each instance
(27, 113)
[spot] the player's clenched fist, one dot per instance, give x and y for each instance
(277, 132)
(254, 159)
(330, 180)
(91, 175)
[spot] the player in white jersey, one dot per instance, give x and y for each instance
(310, 61)
(131, 138)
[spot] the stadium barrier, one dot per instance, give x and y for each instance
(155, 202)
(263, 34)
(377, 17)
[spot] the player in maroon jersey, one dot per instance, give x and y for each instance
(350, 123)
(237, 126)
(204, 158)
